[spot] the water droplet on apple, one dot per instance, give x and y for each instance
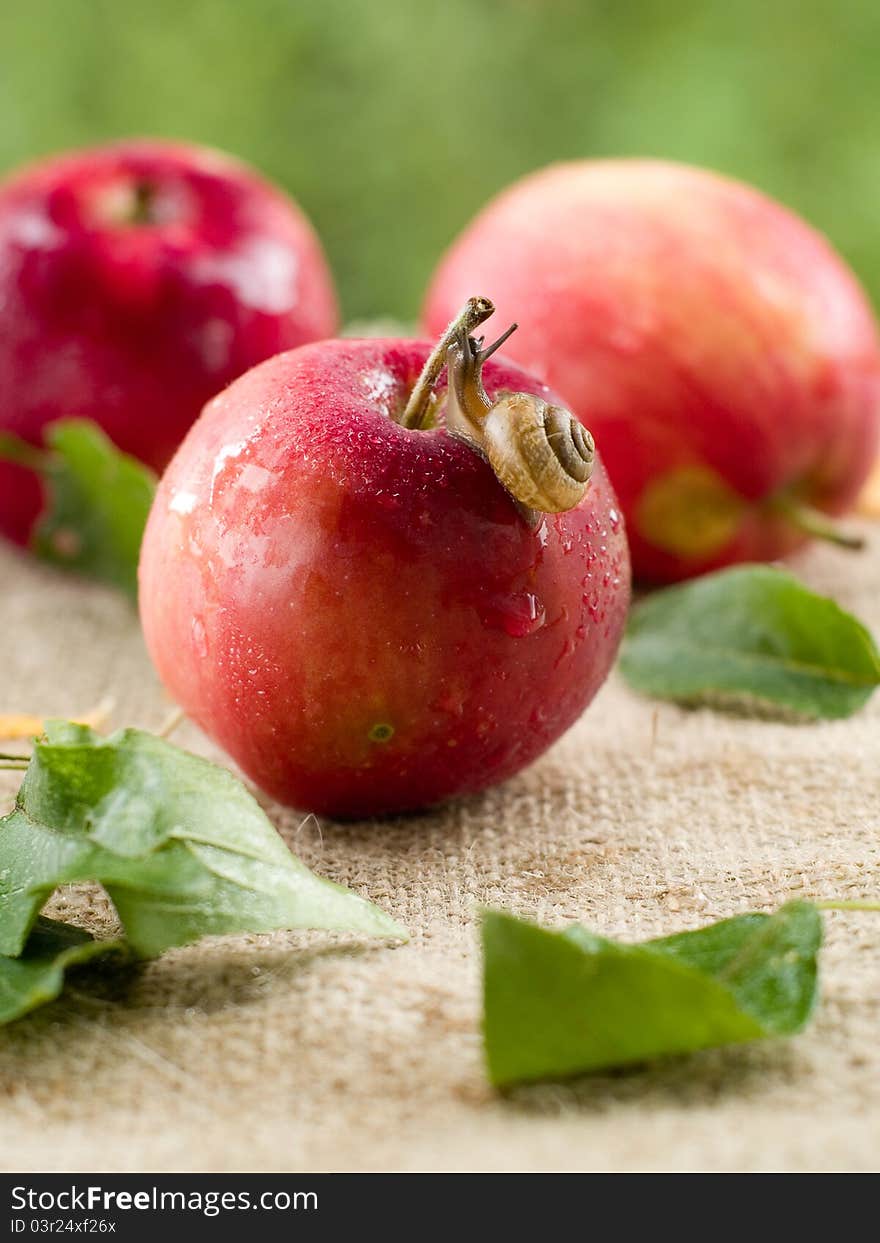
(567, 650)
(591, 600)
(518, 615)
(199, 636)
(381, 388)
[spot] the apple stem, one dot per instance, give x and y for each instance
(143, 199)
(474, 312)
(130, 205)
(13, 449)
(813, 522)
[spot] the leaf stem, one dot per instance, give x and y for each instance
(816, 524)
(472, 314)
(14, 449)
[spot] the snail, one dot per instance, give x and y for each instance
(541, 454)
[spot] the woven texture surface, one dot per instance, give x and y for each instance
(303, 1052)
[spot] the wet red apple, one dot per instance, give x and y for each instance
(137, 280)
(721, 353)
(336, 586)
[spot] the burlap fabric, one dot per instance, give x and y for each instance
(303, 1052)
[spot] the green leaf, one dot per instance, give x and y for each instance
(564, 1003)
(98, 500)
(752, 632)
(38, 975)
(179, 844)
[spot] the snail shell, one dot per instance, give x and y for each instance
(541, 454)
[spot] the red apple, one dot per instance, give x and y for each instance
(356, 609)
(137, 280)
(721, 353)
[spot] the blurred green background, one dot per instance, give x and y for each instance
(392, 122)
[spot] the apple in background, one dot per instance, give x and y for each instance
(721, 353)
(137, 280)
(350, 602)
